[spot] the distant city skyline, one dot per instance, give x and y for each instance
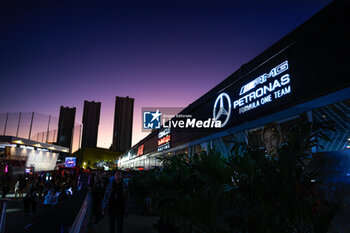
(164, 54)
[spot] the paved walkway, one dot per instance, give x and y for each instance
(52, 220)
(132, 224)
(63, 214)
(15, 219)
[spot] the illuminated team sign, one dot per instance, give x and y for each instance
(264, 92)
(164, 138)
(70, 161)
(264, 89)
(140, 150)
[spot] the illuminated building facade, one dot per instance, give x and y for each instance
(20, 153)
(302, 77)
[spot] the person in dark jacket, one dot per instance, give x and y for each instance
(26, 203)
(116, 198)
(97, 191)
(33, 202)
(5, 189)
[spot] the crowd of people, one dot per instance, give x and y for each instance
(47, 188)
(108, 190)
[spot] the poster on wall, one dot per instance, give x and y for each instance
(272, 135)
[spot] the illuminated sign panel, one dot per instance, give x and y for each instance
(164, 139)
(70, 161)
(263, 78)
(264, 89)
(220, 112)
(140, 150)
(261, 90)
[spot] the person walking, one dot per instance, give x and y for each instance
(5, 189)
(17, 189)
(97, 191)
(33, 202)
(26, 204)
(48, 199)
(40, 189)
(22, 186)
(116, 198)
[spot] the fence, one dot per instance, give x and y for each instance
(35, 126)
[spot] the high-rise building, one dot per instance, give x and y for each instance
(91, 120)
(65, 127)
(123, 118)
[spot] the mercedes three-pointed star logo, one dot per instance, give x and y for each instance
(219, 108)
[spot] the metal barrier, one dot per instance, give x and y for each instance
(3, 215)
(80, 224)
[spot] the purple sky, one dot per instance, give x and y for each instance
(162, 54)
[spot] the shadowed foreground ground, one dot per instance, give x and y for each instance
(132, 224)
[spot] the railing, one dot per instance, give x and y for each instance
(80, 224)
(3, 215)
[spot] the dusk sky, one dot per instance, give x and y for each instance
(162, 53)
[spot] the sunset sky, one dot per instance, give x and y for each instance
(162, 53)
